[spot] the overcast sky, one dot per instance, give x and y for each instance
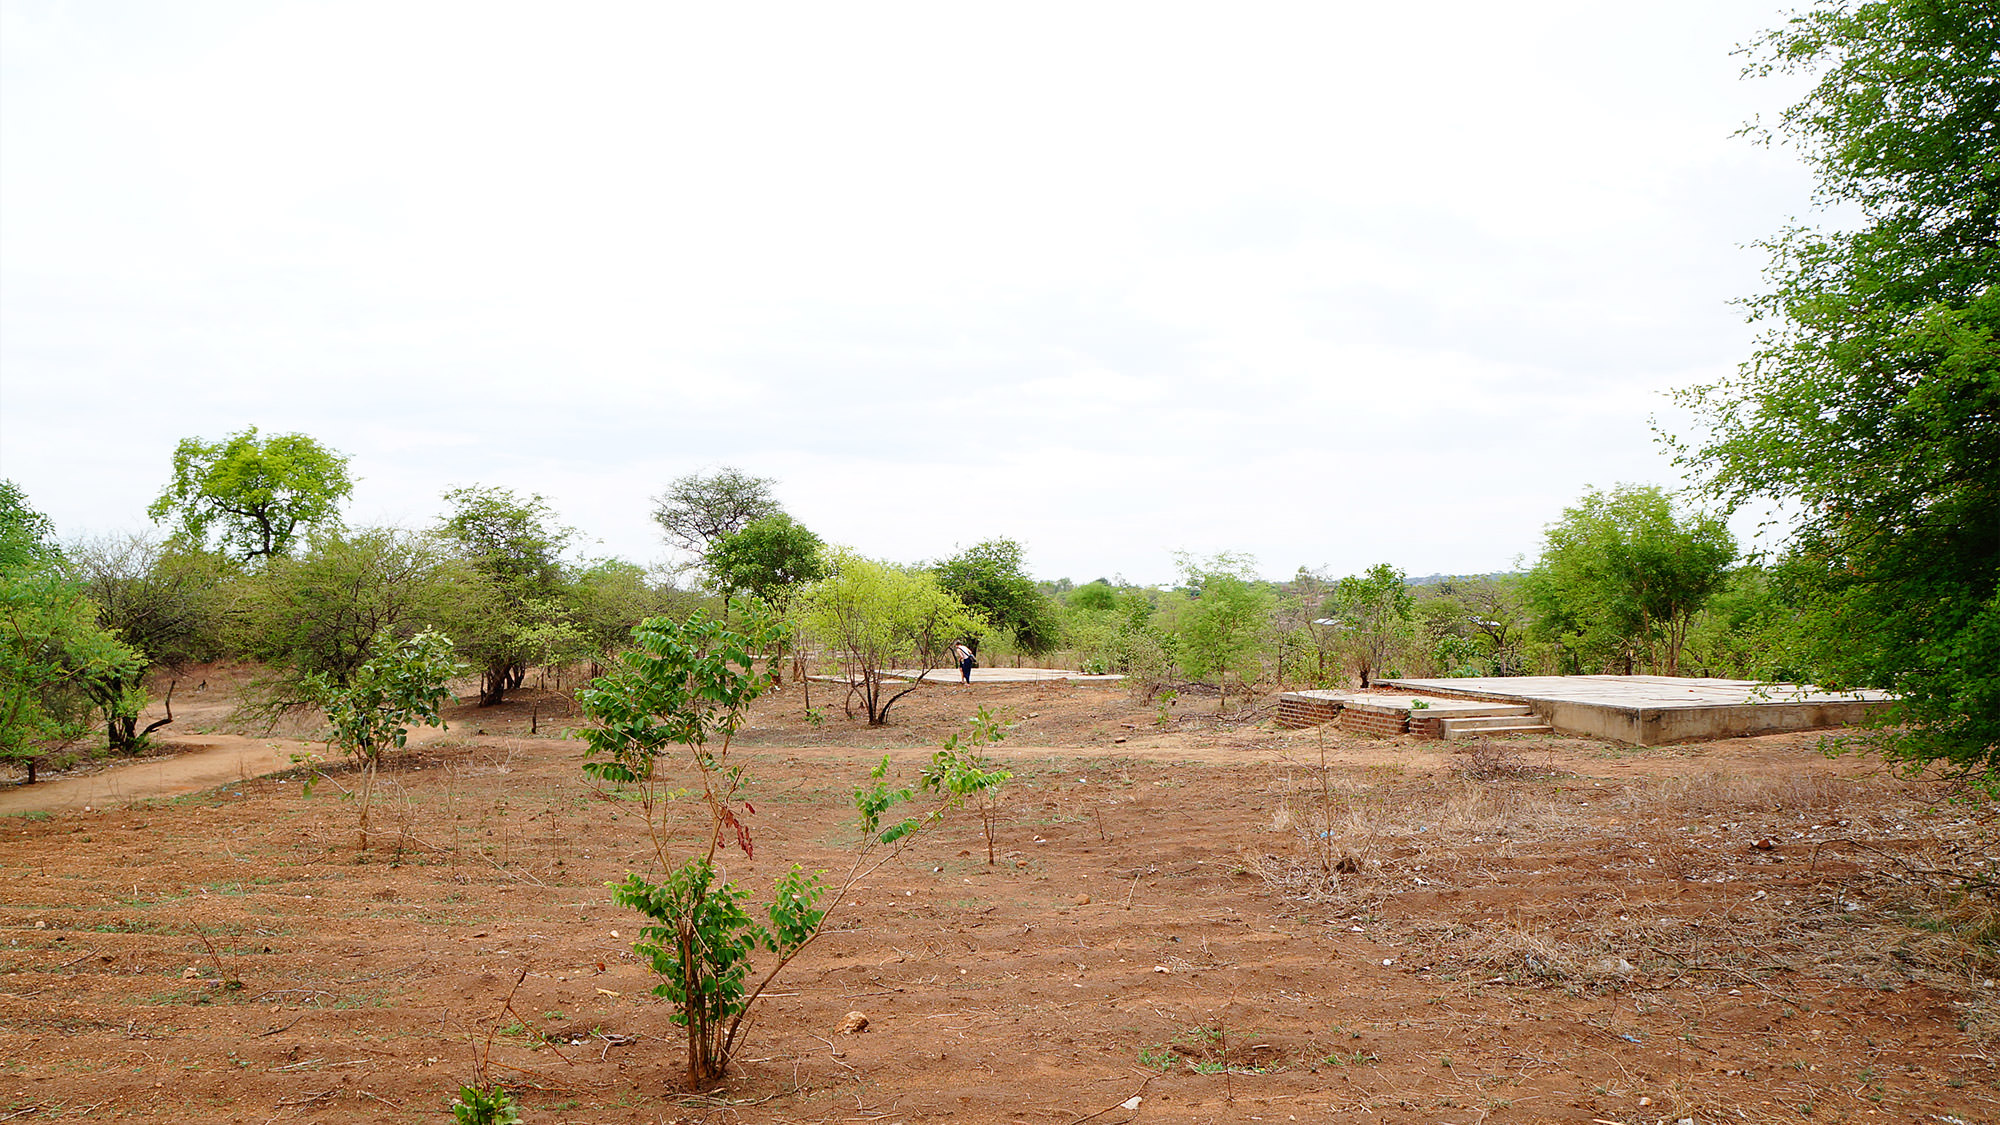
(1327, 283)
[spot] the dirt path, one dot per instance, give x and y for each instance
(202, 762)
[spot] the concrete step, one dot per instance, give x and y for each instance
(1529, 727)
(1510, 717)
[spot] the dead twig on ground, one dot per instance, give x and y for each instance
(1121, 1105)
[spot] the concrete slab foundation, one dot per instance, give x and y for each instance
(1653, 710)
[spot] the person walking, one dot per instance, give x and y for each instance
(962, 653)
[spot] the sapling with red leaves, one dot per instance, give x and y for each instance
(667, 713)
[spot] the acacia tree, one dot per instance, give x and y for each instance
(1622, 575)
(259, 495)
(700, 509)
(1872, 402)
(874, 614)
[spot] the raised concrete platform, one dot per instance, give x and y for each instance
(986, 676)
(1652, 710)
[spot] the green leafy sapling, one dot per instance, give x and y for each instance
(677, 697)
(474, 1106)
(407, 684)
(670, 707)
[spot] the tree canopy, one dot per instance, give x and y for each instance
(258, 495)
(991, 577)
(873, 614)
(1872, 403)
(766, 558)
(1621, 577)
(698, 510)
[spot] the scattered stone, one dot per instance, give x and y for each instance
(854, 1024)
(1081, 900)
(1613, 967)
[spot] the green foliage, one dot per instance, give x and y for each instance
(515, 613)
(323, 612)
(610, 596)
(1475, 626)
(1621, 578)
(700, 943)
(1872, 404)
(874, 614)
(27, 538)
(1374, 615)
(167, 601)
(259, 495)
(681, 684)
(56, 662)
(956, 774)
(766, 558)
(474, 1106)
(699, 510)
(56, 665)
(404, 684)
(991, 579)
(683, 689)
(1222, 630)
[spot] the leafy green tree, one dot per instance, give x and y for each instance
(1222, 629)
(1474, 626)
(1374, 615)
(1872, 403)
(259, 495)
(991, 577)
(56, 662)
(875, 614)
(27, 538)
(700, 509)
(517, 614)
(324, 611)
(609, 597)
(767, 558)
(1622, 576)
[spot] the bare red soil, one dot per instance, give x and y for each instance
(1193, 913)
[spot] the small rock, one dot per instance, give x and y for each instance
(1613, 967)
(1645, 1101)
(854, 1024)
(1081, 900)
(1764, 845)
(1131, 1102)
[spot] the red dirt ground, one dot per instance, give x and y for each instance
(1194, 913)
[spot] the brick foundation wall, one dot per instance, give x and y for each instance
(1426, 726)
(1371, 721)
(1296, 713)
